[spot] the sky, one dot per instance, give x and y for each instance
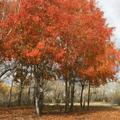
(111, 10)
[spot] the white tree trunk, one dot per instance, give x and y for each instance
(37, 105)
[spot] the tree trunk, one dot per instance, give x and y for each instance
(29, 97)
(66, 89)
(10, 94)
(66, 96)
(88, 103)
(41, 100)
(81, 96)
(20, 94)
(38, 99)
(34, 94)
(72, 95)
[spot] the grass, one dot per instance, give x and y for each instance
(53, 113)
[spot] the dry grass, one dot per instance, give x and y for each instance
(94, 113)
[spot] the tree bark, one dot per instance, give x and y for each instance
(39, 99)
(34, 94)
(29, 97)
(72, 95)
(20, 94)
(88, 102)
(67, 90)
(81, 96)
(39, 96)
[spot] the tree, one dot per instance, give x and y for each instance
(41, 32)
(20, 77)
(29, 35)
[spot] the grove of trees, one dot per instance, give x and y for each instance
(67, 40)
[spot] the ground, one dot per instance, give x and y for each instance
(94, 113)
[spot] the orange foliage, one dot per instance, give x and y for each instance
(31, 34)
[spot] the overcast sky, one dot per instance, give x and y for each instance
(111, 9)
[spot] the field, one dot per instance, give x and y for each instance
(28, 113)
